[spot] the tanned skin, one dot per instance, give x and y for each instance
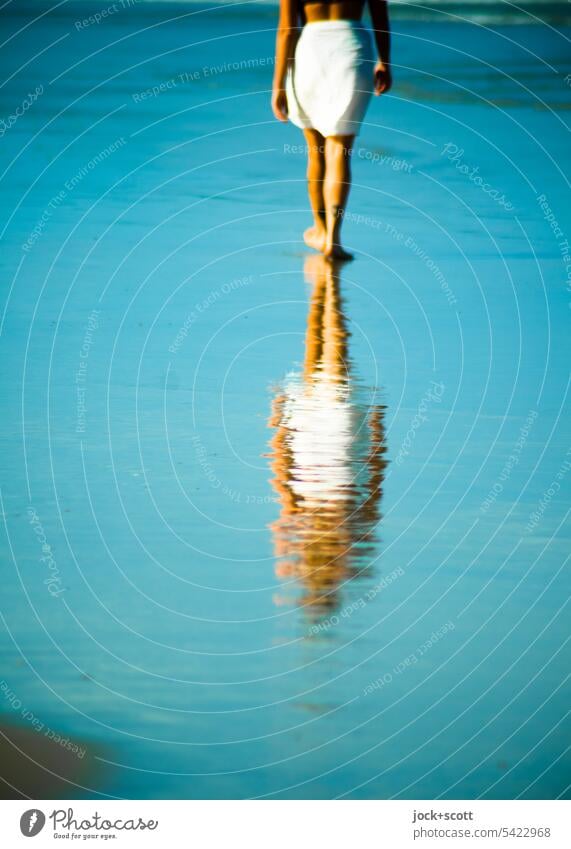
(329, 159)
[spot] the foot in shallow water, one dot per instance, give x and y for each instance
(336, 252)
(314, 237)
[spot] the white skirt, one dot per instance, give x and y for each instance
(331, 82)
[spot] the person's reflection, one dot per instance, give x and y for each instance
(327, 457)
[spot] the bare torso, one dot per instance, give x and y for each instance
(345, 10)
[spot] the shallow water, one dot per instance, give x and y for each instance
(302, 527)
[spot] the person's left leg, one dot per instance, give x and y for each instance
(315, 236)
(336, 186)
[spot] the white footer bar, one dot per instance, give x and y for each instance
(288, 824)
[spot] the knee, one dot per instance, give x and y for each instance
(315, 171)
(315, 164)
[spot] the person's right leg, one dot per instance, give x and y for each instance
(336, 187)
(315, 236)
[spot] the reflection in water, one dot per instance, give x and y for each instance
(327, 456)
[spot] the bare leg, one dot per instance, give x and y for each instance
(335, 191)
(314, 236)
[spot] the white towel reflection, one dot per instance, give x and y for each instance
(327, 457)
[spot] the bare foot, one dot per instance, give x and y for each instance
(337, 252)
(314, 237)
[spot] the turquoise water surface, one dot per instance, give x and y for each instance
(274, 528)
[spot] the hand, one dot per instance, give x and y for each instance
(279, 104)
(383, 78)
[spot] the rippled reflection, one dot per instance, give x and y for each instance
(327, 456)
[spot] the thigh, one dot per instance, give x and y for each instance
(336, 145)
(315, 143)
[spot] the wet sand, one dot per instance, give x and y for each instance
(271, 528)
(39, 763)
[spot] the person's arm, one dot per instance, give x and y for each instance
(286, 39)
(380, 20)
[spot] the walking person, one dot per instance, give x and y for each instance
(325, 73)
